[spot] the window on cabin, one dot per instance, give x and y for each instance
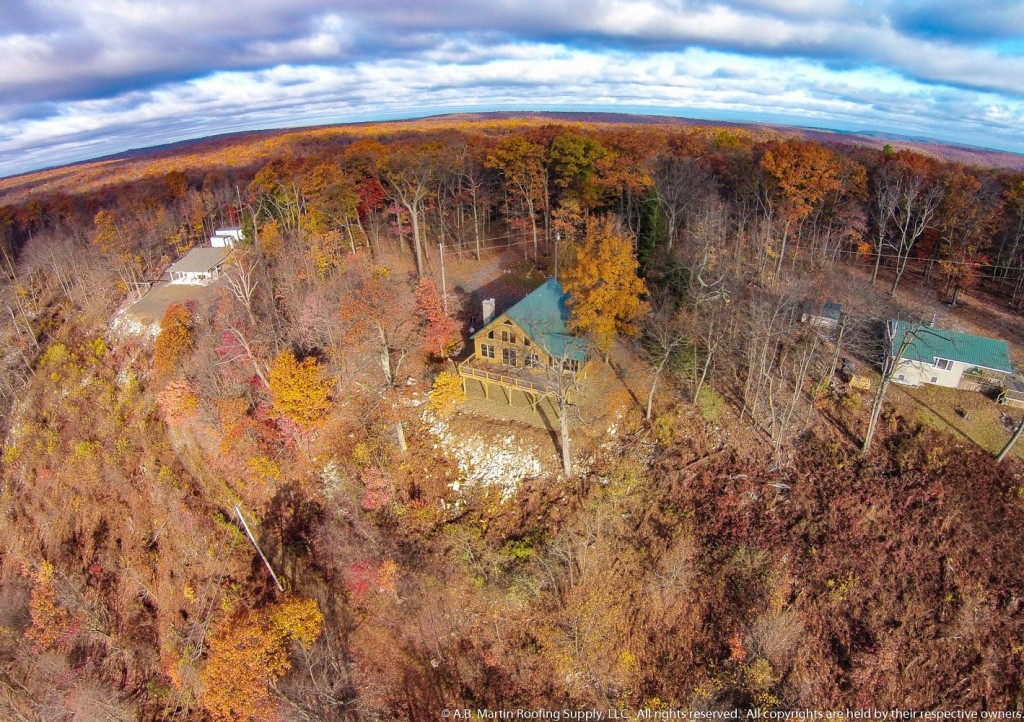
(508, 357)
(935, 380)
(486, 350)
(508, 336)
(942, 363)
(531, 360)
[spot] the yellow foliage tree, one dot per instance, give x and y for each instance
(249, 653)
(446, 394)
(605, 292)
(299, 389)
(49, 619)
(175, 339)
(298, 618)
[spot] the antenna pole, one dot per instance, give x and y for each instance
(444, 288)
(258, 550)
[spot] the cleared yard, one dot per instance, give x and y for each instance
(149, 309)
(967, 415)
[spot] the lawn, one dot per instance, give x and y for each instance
(967, 415)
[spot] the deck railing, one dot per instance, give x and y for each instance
(466, 369)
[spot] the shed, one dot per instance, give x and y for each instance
(1012, 393)
(828, 317)
(225, 237)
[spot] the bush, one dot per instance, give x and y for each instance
(446, 394)
(710, 403)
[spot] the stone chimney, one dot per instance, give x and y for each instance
(488, 311)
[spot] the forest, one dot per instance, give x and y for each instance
(729, 546)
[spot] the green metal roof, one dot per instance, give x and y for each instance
(928, 343)
(542, 315)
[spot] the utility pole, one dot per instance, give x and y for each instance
(444, 289)
(258, 550)
(1011, 442)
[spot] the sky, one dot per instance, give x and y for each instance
(85, 78)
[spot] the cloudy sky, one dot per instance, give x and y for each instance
(84, 78)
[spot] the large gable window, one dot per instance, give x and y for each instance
(508, 356)
(508, 336)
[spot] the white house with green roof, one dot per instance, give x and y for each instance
(944, 357)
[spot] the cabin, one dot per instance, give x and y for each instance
(827, 318)
(225, 237)
(523, 347)
(199, 267)
(946, 358)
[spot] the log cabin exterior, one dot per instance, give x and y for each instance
(522, 348)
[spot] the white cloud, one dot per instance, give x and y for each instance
(548, 76)
(101, 75)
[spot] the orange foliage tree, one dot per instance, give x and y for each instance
(441, 331)
(175, 339)
(249, 652)
(606, 294)
(299, 390)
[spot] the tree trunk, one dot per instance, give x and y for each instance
(654, 385)
(563, 422)
(414, 216)
(400, 432)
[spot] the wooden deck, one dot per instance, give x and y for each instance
(535, 384)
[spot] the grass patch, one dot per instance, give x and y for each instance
(966, 415)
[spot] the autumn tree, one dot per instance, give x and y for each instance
(605, 293)
(798, 176)
(299, 389)
(112, 240)
(379, 316)
(966, 219)
(522, 164)
(50, 619)
(175, 340)
(665, 333)
(575, 162)
(912, 195)
(407, 173)
(249, 653)
(442, 332)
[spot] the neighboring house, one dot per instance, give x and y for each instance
(520, 348)
(828, 318)
(946, 358)
(225, 237)
(199, 266)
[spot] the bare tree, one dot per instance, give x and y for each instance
(665, 332)
(890, 364)
(918, 199)
(241, 281)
